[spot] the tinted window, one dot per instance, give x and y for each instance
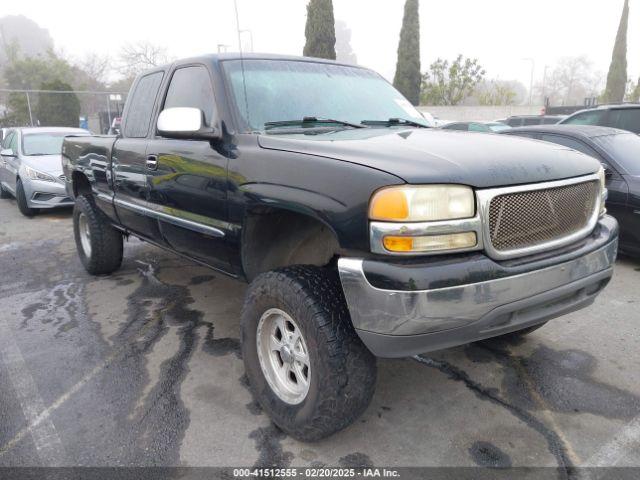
(532, 121)
(514, 122)
(457, 126)
(594, 117)
(141, 106)
(550, 120)
(571, 143)
(625, 119)
(191, 87)
(624, 149)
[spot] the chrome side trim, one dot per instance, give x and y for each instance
(484, 198)
(379, 230)
(147, 209)
(398, 312)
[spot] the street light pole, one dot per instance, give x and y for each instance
(250, 37)
(544, 84)
(533, 66)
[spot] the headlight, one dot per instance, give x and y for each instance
(36, 175)
(603, 190)
(424, 203)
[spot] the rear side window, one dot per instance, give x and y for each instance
(594, 117)
(532, 121)
(141, 106)
(191, 87)
(571, 143)
(625, 119)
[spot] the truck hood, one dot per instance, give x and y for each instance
(51, 164)
(438, 156)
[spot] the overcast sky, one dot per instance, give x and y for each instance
(498, 32)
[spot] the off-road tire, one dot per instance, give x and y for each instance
(106, 241)
(21, 199)
(4, 193)
(343, 370)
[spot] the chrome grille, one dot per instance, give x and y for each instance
(530, 218)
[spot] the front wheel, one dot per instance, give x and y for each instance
(305, 363)
(99, 244)
(21, 199)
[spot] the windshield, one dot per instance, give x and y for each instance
(278, 90)
(625, 149)
(43, 143)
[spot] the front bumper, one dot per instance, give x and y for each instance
(488, 299)
(46, 194)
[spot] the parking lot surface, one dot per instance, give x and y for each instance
(143, 368)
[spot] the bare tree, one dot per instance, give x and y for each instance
(137, 57)
(571, 81)
(96, 67)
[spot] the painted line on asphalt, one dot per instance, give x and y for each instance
(625, 442)
(43, 431)
(44, 415)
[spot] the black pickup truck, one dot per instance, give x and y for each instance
(362, 232)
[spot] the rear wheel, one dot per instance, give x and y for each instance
(3, 192)
(99, 244)
(305, 363)
(21, 199)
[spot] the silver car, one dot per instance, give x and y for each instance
(31, 168)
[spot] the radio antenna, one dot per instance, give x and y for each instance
(244, 82)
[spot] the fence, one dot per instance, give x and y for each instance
(94, 110)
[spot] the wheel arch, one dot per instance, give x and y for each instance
(276, 237)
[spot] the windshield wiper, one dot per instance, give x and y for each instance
(307, 122)
(392, 122)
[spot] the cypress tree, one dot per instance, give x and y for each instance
(617, 76)
(60, 110)
(407, 79)
(320, 30)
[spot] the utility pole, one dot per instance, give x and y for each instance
(533, 66)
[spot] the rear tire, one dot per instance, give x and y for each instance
(21, 199)
(340, 373)
(99, 244)
(3, 192)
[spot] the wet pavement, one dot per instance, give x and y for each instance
(143, 368)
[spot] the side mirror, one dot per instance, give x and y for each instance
(7, 152)
(185, 122)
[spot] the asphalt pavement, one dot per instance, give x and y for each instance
(143, 368)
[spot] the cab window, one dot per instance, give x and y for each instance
(191, 87)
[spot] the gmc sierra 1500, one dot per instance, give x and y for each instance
(363, 232)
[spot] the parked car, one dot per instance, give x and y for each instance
(622, 116)
(525, 120)
(619, 153)
(31, 169)
(362, 232)
(486, 127)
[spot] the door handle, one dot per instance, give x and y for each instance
(152, 162)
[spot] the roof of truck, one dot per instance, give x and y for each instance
(218, 57)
